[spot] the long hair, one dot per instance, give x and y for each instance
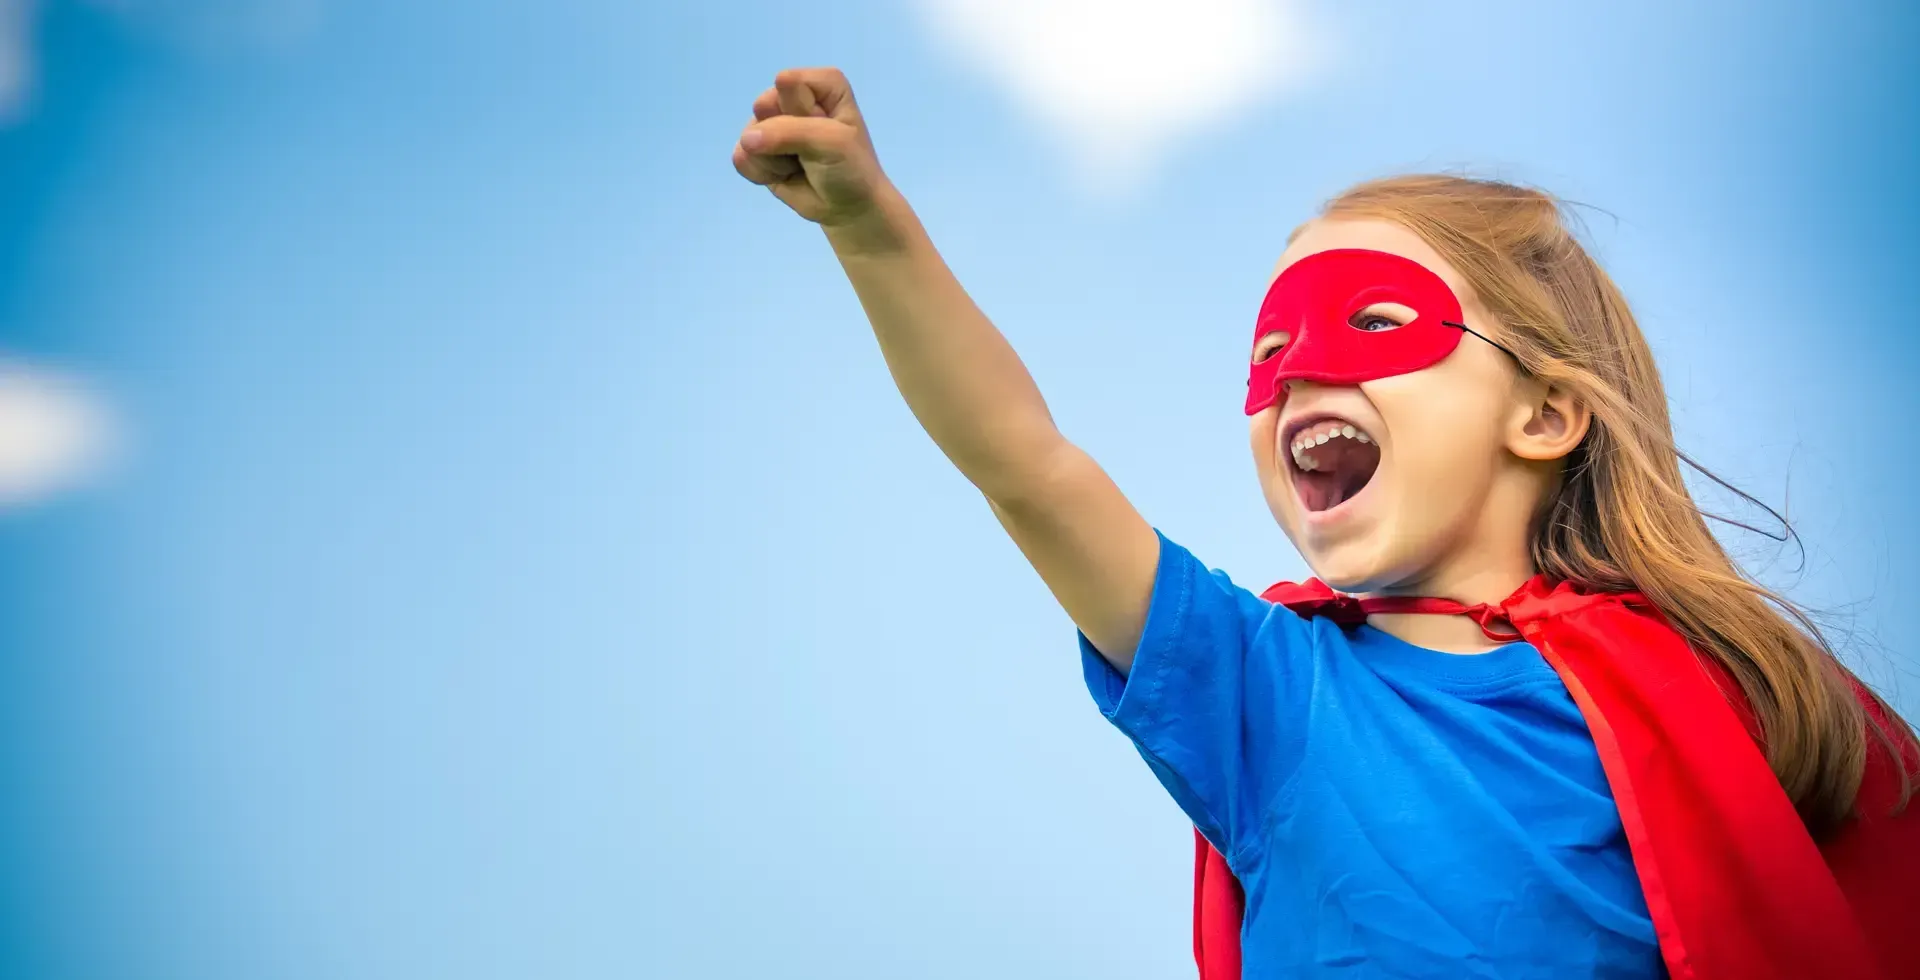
(1621, 517)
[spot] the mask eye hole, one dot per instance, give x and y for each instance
(1381, 317)
(1269, 344)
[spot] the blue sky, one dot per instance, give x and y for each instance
(515, 561)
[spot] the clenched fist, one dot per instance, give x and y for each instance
(808, 144)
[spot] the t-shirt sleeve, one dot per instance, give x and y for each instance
(1212, 701)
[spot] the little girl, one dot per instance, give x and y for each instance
(1544, 727)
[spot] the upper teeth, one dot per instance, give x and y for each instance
(1317, 435)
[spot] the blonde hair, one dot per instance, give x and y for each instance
(1621, 517)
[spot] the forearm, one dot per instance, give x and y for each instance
(959, 376)
(809, 145)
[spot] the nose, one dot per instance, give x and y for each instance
(1288, 389)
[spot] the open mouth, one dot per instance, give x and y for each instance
(1333, 460)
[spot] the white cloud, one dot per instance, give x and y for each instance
(16, 55)
(1119, 83)
(200, 25)
(54, 433)
(225, 26)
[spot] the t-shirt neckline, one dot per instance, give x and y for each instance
(1508, 661)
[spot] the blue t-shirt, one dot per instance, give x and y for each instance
(1391, 811)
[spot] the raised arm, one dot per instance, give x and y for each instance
(809, 145)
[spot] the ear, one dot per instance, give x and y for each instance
(1554, 422)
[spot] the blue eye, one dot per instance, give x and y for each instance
(1373, 322)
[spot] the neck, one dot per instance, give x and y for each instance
(1447, 634)
(1489, 570)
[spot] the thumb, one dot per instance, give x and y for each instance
(811, 138)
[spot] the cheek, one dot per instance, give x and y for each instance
(1444, 433)
(1262, 430)
(1261, 436)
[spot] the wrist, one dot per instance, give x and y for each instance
(886, 227)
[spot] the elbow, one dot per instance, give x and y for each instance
(1033, 475)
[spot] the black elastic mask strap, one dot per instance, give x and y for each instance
(1476, 333)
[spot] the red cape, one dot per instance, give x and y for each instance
(1736, 887)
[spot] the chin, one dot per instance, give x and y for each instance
(1351, 568)
(1353, 547)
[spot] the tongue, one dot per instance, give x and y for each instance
(1341, 468)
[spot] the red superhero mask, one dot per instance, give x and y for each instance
(1316, 303)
